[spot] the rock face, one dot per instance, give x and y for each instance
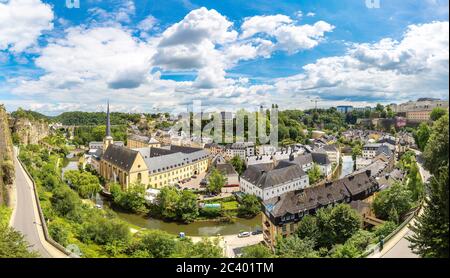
(30, 131)
(6, 157)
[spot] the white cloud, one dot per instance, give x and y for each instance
(287, 34)
(147, 24)
(415, 66)
(22, 22)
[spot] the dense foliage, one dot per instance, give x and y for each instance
(179, 205)
(216, 181)
(85, 183)
(85, 134)
(430, 239)
(249, 206)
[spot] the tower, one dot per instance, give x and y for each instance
(108, 140)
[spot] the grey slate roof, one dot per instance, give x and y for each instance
(120, 156)
(320, 158)
(265, 176)
(164, 159)
(318, 196)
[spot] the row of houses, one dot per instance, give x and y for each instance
(281, 214)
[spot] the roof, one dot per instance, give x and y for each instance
(120, 156)
(164, 159)
(265, 176)
(226, 168)
(318, 196)
(330, 148)
(303, 159)
(320, 158)
(302, 200)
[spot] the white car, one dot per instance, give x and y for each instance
(98, 206)
(244, 234)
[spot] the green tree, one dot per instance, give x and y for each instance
(257, 251)
(422, 135)
(158, 244)
(437, 113)
(13, 244)
(133, 199)
(430, 238)
(85, 183)
(168, 200)
(59, 231)
(383, 230)
(396, 197)
(104, 231)
(414, 182)
(187, 206)
(64, 200)
(238, 164)
(216, 181)
(294, 247)
(436, 151)
(307, 228)
(250, 206)
(314, 174)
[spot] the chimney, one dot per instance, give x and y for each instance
(368, 172)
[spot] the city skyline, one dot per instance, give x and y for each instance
(229, 55)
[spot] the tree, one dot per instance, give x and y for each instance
(104, 231)
(422, 135)
(85, 183)
(133, 199)
(250, 206)
(437, 113)
(436, 151)
(238, 164)
(206, 248)
(216, 181)
(314, 174)
(383, 230)
(354, 247)
(414, 182)
(396, 197)
(13, 244)
(64, 200)
(158, 244)
(167, 201)
(294, 247)
(430, 238)
(307, 228)
(257, 251)
(59, 231)
(187, 206)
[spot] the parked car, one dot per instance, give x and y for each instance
(257, 232)
(244, 234)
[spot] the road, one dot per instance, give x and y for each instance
(25, 217)
(398, 246)
(233, 243)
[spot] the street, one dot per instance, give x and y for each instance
(25, 217)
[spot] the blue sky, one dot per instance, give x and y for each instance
(149, 55)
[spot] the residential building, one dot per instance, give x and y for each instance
(267, 181)
(283, 213)
(140, 141)
(420, 110)
(333, 153)
(241, 149)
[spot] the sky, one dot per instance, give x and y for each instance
(150, 56)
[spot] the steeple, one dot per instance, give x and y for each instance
(108, 122)
(108, 140)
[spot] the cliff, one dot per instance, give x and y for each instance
(30, 131)
(6, 157)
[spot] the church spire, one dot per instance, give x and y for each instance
(108, 122)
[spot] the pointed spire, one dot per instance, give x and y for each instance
(108, 122)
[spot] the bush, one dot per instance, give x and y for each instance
(64, 200)
(156, 244)
(59, 231)
(8, 171)
(385, 229)
(104, 231)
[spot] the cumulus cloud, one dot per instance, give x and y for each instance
(388, 69)
(22, 22)
(287, 34)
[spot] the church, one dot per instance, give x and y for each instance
(153, 165)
